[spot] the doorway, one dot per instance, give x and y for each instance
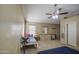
(71, 33)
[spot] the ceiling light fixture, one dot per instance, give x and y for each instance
(55, 17)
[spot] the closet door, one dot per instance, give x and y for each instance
(71, 33)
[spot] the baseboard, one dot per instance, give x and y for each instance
(4, 52)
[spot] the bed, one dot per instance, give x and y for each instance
(32, 41)
(59, 50)
(28, 41)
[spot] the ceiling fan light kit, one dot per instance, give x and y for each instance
(55, 17)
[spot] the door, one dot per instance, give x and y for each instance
(71, 33)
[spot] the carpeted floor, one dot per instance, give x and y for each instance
(43, 45)
(60, 50)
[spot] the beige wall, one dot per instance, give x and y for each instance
(11, 27)
(40, 28)
(63, 29)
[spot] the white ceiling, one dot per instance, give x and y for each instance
(36, 12)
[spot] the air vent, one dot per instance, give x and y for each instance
(65, 17)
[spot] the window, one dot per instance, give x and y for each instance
(32, 29)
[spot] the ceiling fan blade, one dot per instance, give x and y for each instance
(63, 13)
(48, 14)
(49, 17)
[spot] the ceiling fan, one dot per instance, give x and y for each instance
(56, 13)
